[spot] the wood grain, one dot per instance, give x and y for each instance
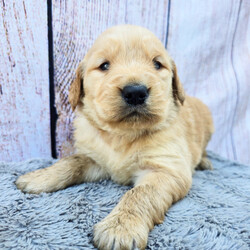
(241, 60)
(208, 41)
(76, 24)
(24, 86)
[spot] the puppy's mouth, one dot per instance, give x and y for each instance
(136, 114)
(133, 114)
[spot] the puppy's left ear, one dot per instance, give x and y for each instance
(76, 91)
(178, 91)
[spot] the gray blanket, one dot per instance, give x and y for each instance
(214, 215)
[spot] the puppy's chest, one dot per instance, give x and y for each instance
(120, 159)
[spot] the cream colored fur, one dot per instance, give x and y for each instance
(157, 151)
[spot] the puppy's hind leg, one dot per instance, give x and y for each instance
(204, 164)
(68, 171)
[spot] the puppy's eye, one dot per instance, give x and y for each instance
(157, 65)
(104, 66)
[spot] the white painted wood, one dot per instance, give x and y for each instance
(208, 41)
(24, 85)
(241, 65)
(76, 24)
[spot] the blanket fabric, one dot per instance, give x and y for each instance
(214, 215)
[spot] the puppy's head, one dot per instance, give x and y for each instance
(127, 81)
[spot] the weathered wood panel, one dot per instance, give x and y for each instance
(76, 24)
(241, 63)
(24, 85)
(208, 41)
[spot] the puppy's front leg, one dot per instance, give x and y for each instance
(128, 225)
(68, 171)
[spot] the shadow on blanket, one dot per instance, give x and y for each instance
(214, 215)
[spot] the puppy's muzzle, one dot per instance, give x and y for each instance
(135, 94)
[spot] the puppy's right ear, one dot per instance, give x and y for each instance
(76, 91)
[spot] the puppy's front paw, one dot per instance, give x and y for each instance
(36, 182)
(120, 231)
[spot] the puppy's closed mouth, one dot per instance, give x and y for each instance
(132, 114)
(140, 114)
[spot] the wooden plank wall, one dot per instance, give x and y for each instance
(24, 85)
(76, 24)
(209, 41)
(201, 36)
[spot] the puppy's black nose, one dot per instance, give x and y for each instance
(135, 94)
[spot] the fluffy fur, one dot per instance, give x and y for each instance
(155, 146)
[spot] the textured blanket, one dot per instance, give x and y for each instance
(214, 215)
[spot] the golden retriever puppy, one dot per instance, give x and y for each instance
(133, 124)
